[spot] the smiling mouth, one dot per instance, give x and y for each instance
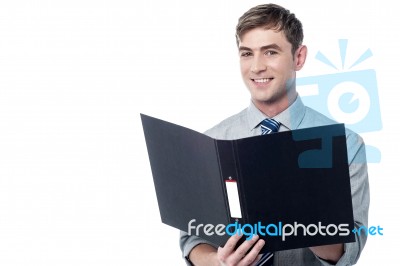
(262, 80)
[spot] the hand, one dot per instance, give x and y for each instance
(228, 256)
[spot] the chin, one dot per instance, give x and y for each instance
(262, 97)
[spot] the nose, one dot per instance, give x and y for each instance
(258, 65)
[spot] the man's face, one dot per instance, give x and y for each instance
(268, 66)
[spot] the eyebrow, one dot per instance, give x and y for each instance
(262, 48)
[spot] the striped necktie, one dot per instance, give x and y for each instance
(268, 126)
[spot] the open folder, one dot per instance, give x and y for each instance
(291, 188)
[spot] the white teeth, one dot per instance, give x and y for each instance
(261, 80)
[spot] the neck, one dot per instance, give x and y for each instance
(272, 109)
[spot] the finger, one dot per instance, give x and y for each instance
(241, 251)
(258, 257)
(253, 255)
(229, 247)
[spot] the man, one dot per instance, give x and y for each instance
(269, 40)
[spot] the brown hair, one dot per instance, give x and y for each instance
(271, 16)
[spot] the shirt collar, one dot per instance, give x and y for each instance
(290, 118)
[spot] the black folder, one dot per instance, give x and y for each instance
(297, 178)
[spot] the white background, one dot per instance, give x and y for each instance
(75, 180)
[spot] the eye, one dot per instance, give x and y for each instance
(245, 54)
(270, 53)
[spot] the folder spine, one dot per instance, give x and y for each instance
(228, 172)
(242, 195)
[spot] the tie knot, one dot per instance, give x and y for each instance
(269, 126)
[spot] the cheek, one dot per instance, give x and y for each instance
(276, 65)
(245, 66)
(283, 70)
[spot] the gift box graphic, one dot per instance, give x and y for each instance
(349, 97)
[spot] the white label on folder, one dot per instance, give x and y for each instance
(233, 198)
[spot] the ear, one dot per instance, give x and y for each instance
(300, 57)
